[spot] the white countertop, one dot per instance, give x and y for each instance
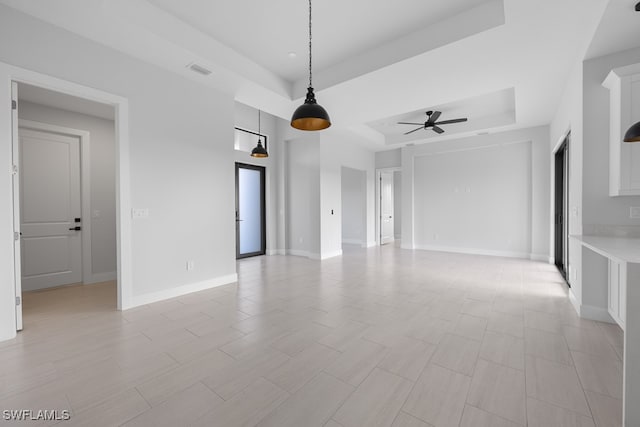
(625, 249)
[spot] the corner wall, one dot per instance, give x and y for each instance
(181, 161)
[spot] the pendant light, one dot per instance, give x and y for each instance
(633, 133)
(259, 150)
(310, 115)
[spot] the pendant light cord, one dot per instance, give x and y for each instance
(259, 131)
(310, 72)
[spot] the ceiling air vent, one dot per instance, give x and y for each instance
(199, 69)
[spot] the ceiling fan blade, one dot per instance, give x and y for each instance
(435, 116)
(407, 123)
(415, 130)
(446, 122)
(437, 129)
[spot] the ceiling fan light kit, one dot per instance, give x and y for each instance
(432, 122)
(310, 115)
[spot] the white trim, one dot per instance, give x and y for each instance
(306, 254)
(378, 224)
(353, 242)
(85, 184)
(595, 313)
(15, 185)
(123, 179)
(474, 251)
(271, 252)
(539, 257)
(108, 276)
(574, 301)
(152, 297)
(333, 254)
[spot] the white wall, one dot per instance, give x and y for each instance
(354, 206)
(602, 214)
(338, 149)
(569, 117)
(389, 159)
(102, 179)
(303, 196)
(431, 206)
(246, 117)
(181, 161)
(477, 200)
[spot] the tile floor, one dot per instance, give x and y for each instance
(378, 337)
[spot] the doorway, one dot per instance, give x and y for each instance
(386, 218)
(561, 208)
(251, 238)
(65, 199)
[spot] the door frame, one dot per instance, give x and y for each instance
(263, 210)
(123, 177)
(85, 185)
(378, 195)
(560, 206)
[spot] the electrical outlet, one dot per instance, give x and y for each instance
(139, 213)
(634, 212)
(191, 265)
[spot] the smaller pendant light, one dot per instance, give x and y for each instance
(633, 134)
(259, 150)
(310, 115)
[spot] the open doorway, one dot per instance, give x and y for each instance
(388, 201)
(64, 203)
(354, 206)
(561, 208)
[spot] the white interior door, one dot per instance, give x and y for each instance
(50, 207)
(386, 208)
(15, 148)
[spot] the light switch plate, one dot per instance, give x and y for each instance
(634, 212)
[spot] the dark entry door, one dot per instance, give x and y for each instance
(250, 211)
(561, 231)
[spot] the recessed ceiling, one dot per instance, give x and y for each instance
(483, 112)
(266, 31)
(373, 60)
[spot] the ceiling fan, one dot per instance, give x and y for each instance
(432, 117)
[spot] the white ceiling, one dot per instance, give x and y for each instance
(374, 60)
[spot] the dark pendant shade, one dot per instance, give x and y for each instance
(633, 134)
(259, 150)
(310, 115)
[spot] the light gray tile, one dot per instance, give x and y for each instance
(376, 402)
(499, 390)
(438, 397)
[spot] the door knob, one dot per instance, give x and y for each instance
(75, 229)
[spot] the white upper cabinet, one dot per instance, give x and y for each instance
(624, 158)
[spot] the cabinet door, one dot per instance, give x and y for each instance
(614, 288)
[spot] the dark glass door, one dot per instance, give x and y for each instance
(561, 214)
(250, 211)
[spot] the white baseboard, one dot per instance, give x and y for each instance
(352, 241)
(370, 244)
(595, 313)
(102, 277)
(328, 255)
(182, 290)
(276, 252)
(574, 301)
(539, 257)
(473, 251)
